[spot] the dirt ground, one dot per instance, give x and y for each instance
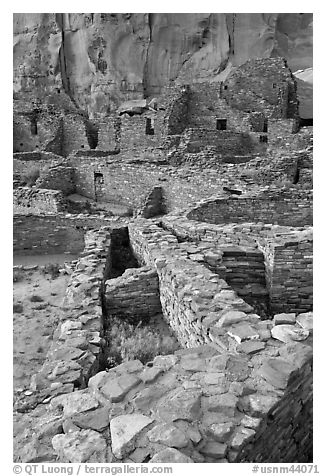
(37, 296)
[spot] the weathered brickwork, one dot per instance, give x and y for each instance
(134, 295)
(284, 207)
(57, 177)
(264, 85)
(50, 201)
(52, 233)
(289, 267)
(287, 256)
(74, 353)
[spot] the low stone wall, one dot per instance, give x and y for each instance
(153, 204)
(283, 208)
(287, 256)
(289, 263)
(188, 291)
(57, 177)
(243, 397)
(135, 294)
(74, 353)
(50, 234)
(225, 142)
(194, 407)
(42, 200)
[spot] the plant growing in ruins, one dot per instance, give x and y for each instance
(36, 298)
(30, 176)
(126, 342)
(53, 269)
(18, 308)
(18, 276)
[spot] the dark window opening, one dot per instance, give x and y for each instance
(221, 124)
(263, 139)
(91, 134)
(296, 176)
(149, 127)
(274, 85)
(33, 126)
(225, 87)
(98, 178)
(82, 146)
(21, 144)
(265, 128)
(305, 122)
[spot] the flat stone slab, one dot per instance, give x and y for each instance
(165, 361)
(97, 420)
(251, 347)
(276, 372)
(241, 436)
(231, 317)
(169, 435)
(80, 446)
(243, 332)
(193, 362)
(124, 431)
(170, 455)
(220, 431)
(214, 449)
(257, 405)
(289, 333)
(75, 402)
(225, 403)
(117, 388)
(150, 374)
(183, 404)
(305, 320)
(284, 318)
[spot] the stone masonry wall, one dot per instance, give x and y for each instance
(134, 295)
(57, 177)
(283, 208)
(244, 396)
(133, 133)
(42, 200)
(225, 142)
(188, 291)
(289, 263)
(130, 184)
(48, 234)
(74, 134)
(74, 353)
(176, 102)
(287, 257)
(264, 85)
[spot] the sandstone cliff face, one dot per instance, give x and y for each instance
(102, 59)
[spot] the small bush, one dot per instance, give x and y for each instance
(52, 269)
(282, 183)
(30, 177)
(18, 276)
(36, 298)
(18, 308)
(127, 342)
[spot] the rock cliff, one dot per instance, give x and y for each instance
(102, 59)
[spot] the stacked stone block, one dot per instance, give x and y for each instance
(134, 295)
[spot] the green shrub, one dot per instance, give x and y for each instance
(30, 176)
(127, 342)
